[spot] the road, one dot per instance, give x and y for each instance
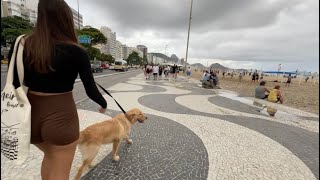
(105, 72)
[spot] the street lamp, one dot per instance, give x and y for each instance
(78, 15)
(188, 34)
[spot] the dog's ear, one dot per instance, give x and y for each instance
(130, 116)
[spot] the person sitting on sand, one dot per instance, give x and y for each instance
(275, 95)
(261, 92)
(213, 79)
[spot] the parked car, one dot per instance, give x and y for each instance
(104, 66)
(95, 67)
(111, 67)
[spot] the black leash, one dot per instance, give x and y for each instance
(112, 98)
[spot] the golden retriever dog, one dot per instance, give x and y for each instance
(106, 132)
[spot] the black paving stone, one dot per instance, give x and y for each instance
(302, 143)
(161, 149)
(233, 105)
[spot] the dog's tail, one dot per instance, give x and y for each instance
(81, 137)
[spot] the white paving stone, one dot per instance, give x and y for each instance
(125, 87)
(31, 168)
(231, 145)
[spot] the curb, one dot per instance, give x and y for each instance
(100, 76)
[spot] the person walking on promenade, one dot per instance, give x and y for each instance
(52, 59)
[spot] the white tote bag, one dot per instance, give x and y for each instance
(15, 112)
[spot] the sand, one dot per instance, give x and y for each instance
(304, 96)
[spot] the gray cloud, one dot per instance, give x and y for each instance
(258, 31)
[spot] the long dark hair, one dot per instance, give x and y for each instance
(54, 25)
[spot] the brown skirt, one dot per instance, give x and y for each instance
(54, 119)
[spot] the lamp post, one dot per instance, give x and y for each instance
(78, 15)
(185, 66)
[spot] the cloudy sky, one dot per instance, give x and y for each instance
(236, 33)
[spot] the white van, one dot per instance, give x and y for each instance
(120, 65)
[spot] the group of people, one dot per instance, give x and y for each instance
(274, 95)
(157, 71)
(209, 80)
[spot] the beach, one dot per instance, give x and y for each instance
(304, 96)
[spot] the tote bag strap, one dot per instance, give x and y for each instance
(19, 59)
(10, 74)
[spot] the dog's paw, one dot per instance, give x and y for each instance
(92, 165)
(116, 158)
(130, 141)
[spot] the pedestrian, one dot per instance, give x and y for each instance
(288, 80)
(145, 71)
(52, 59)
(148, 71)
(166, 71)
(254, 77)
(240, 77)
(307, 78)
(155, 70)
(173, 71)
(176, 72)
(188, 72)
(223, 74)
(160, 71)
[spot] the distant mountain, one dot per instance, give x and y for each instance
(198, 66)
(174, 58)
(218, 66)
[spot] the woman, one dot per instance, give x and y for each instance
(275, 95)
(52, 61)
(188, 72)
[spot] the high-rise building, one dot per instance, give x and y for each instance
(118, 50)
(111, 40)
(134, 49)
(125, 51)
(21, 8)
(144, 49)
(77, 19)
(27, 9)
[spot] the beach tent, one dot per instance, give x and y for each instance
(279, 72)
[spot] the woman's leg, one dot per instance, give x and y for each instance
(57, 161)
(45, 166)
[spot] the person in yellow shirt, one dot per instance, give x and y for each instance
(275, 95)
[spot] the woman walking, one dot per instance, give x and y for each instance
(52, 61)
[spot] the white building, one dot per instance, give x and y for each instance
(125, 51)
(111, 40)
(144, 49)
(102, 47)
(21, 8)
(77, 19)
(118, 50)
(134, 49)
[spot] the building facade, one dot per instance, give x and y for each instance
(144, 50)
(77, 19)
(19, 8)
(119, 50)
(125, 51)
(134, 49)
(111, 40)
